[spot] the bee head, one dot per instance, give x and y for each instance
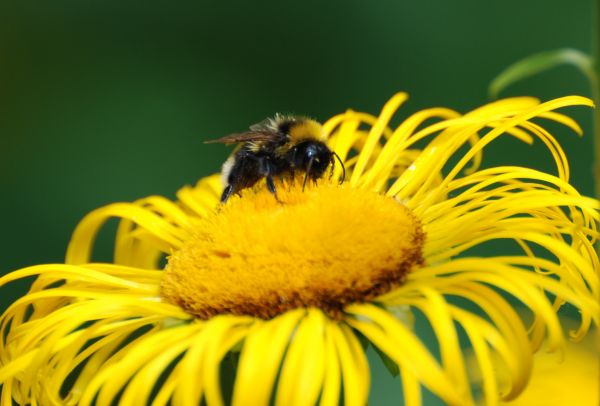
(313, 157)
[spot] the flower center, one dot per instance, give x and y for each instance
(326, 246)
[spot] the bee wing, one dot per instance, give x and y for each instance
(267, 125)
(249, 136)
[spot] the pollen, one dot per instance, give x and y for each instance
(327, 246)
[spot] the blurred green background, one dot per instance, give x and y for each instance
(110, 101)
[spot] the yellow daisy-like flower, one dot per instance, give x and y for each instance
(567, 378)
(286, 293)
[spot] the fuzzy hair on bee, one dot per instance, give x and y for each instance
(280, 146)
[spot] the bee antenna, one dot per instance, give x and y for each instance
(332, 161)
(308, 168)
(343, 167)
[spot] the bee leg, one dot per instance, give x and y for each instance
(292, 171)
(307, 174)
(292, 179)
(267, 169)
(271, 186)
(226, 193)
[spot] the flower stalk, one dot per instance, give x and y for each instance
(595, 85)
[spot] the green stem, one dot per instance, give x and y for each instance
(596, 93)
(596, 97)
(596, 126)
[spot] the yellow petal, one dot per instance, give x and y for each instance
(303, 369)
(260, 359)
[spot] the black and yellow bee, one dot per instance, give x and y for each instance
(276, 147)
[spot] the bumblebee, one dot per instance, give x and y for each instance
(276, 147)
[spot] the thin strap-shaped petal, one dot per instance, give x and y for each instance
(110, 381)
(375, 134)
(260, 358)
(80, 247)
(188, 392)
(6, 392)
(564, 120)
(436, 310)
(16, 365)
(332, 123)
(302, 372)
(140, 302)
(58, 345)
(393, 147)
(165, 208)
(342, 140)
(560, 158)
(353, 363)
(434, 156)
(166, 392)
(139, 390)
(519, 118)
(508, 323)
(101, 351)
(203, 198)
(79, 273)
(501, 106)
(402, 346)
(332, 380)
(484, 361)
(527, 286)
(495, 339)
(221, 339)
(566, 253)
(509, 326)
(505, 179)
(139, 275)
(411, 389)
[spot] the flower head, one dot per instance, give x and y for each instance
(287, 290)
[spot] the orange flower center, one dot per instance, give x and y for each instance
(326, 246)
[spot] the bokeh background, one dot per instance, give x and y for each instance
(111, 101)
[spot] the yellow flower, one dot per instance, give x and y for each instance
(572, 380)
(286, 292)
(567, 378)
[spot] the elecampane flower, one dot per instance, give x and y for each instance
(285, 293)
(569, 377)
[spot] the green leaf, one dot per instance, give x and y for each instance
(387, 361)
(364, 341)
(537, 63)
(391, 366)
